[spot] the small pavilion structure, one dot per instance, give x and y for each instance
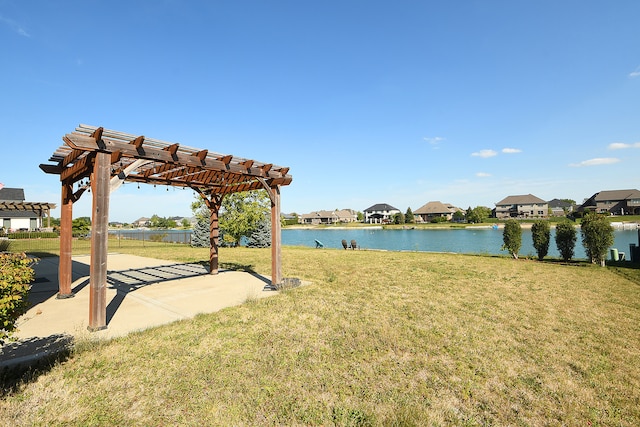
(101, 160)
(28, 214)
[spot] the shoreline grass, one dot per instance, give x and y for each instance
(378, 338)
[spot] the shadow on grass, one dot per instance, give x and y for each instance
(235, 266)
(628, 270)
(25, 360)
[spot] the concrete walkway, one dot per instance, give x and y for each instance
(141, 293)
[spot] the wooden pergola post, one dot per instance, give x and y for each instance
(276, 238)
(213, 204)
(99, 242)
(66, 237)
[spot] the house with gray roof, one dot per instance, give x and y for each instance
(559, 207)
(614, 202)
(521, 206)
(380, 213)
(328, 217)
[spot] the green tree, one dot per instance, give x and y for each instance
(566, 239)
(200, 235)
(478, 214)
(512, 237)
(541, 234)
(161, 222)
(458, 216)
(360, 216)
(597, 237)
(398, 218)
(408, 217)
(81, 225)
(239, 216)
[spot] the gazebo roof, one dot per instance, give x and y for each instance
(146, 160)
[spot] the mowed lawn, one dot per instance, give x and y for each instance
(377, 338)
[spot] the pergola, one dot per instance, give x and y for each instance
(101, 160)
(37, 208)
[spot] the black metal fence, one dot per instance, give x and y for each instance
(34, 242)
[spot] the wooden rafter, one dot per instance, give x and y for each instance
(26, 206)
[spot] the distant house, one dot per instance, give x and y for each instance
(560, 207)
(142, 222)
(614, 202)
(523, 206)
(380, 213)
(289, 217)
(19, 215)
(433, 210)
(180, 220)
(328, 217)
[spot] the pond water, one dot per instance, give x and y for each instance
(458, 240)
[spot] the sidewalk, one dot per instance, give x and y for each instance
(141, 293)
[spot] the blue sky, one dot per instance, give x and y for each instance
(367, 102)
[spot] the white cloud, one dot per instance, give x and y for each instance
(511, 150)
(433, 140)
(635, 73)
(484, 153)
(623, 145)
(482, 174)
(14, 26)
(596, 162)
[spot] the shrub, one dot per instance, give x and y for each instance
(597, 237)
(541, 234)
(438, 220)
(16, 276)
(512, 237)
(157, 237)
(566, 239)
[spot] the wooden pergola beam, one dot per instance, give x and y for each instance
(78, 170)
(78, 141)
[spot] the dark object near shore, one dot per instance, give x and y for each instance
(354, 245)
(344, 244)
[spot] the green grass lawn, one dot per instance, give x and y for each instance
(378, 338)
